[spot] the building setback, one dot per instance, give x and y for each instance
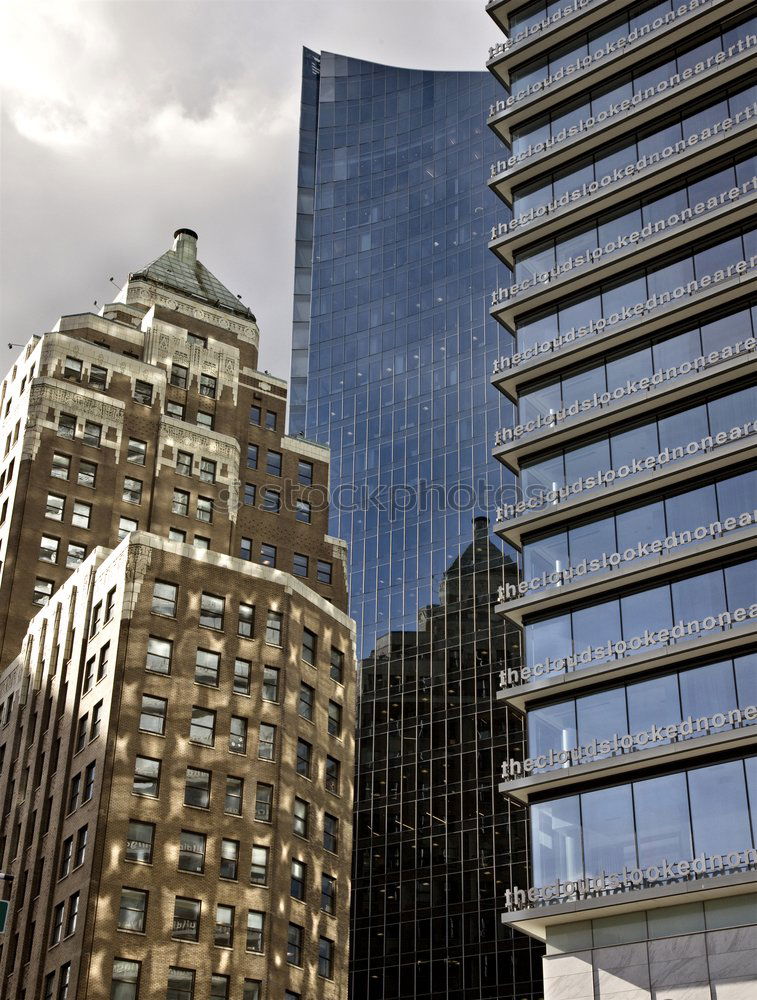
(627, 282)
(391, 351)
(177, 675)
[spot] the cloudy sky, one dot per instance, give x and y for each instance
(123, 120)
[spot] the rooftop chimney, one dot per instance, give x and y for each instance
(185, 245)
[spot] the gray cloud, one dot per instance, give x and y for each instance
(123, 120)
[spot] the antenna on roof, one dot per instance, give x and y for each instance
(114, 282)
(13, 345)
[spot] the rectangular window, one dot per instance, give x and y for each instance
(202, 728)
(125, 527)
(164, 596)
(273, 628)
(300, 564)
(81, 734)
(76, 553)
(250, 492)
(186, 919)
(242, 674)
(252, 456)
(271, 420)
(140, 838)
(81, 846)
(271, 501)
(229, 867)
(124, 983)
(92, 433)
(245, 548)
(234, 795)
(43, 591)
(335, 719)
(298, 880)
(337, 665)
(132, 491)
(146, 777)
(72, 368)
(98, 376)
(263, 802)
(305, 473)
(136, 451)
(306, 702)
(309, 646)
(207, 470)
(56, 931)
(66, 854)
(246, 621)
(301, 818)
(82, 514)
(195, 340)
(267, 741)
(331, 833)
(184, 460)
(333, 770)
(87, 474)
(67, 426)
(223, 932)
(238, 734)
(208, 386)
(180, 503)
(207, 667)
(255, 415)
(132, 912)
(61, 467)
(255, 930)
(73, 914)
(179, 376)
(48, 549)
(273, 463)
(200, 542)
(65, 981)
(326, 958)
(268, 555)
(211, 611)
(102, 661)
(205, 509)
(252, 990)
(324, 572)
(97, 715)
(89, 782)
(110, 604)
(158, 655)
(328, 894)
(294, 945)
(304, 512)
(176, 535)
(54, 507)
(197, 788)
(259, 865)
(175, 409)
(152, 716)
(205, 420)
(142, 392)
(73, 793)
(192, 851)
(304, 758)
(181, 984)
(270, 686)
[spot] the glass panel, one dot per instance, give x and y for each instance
(719, 809)
(607, 818)
(552, 728)
(707, 690)
(601, 716)
(662, 819)
(556, 840)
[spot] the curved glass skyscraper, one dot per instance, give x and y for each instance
(392, 350)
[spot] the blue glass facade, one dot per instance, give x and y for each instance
(392, 350)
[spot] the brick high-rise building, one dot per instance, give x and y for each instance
(176, 667)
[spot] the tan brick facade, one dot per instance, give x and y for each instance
(162, 653)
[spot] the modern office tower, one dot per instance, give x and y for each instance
(627, 281)
(392, 349)
(177, 685)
